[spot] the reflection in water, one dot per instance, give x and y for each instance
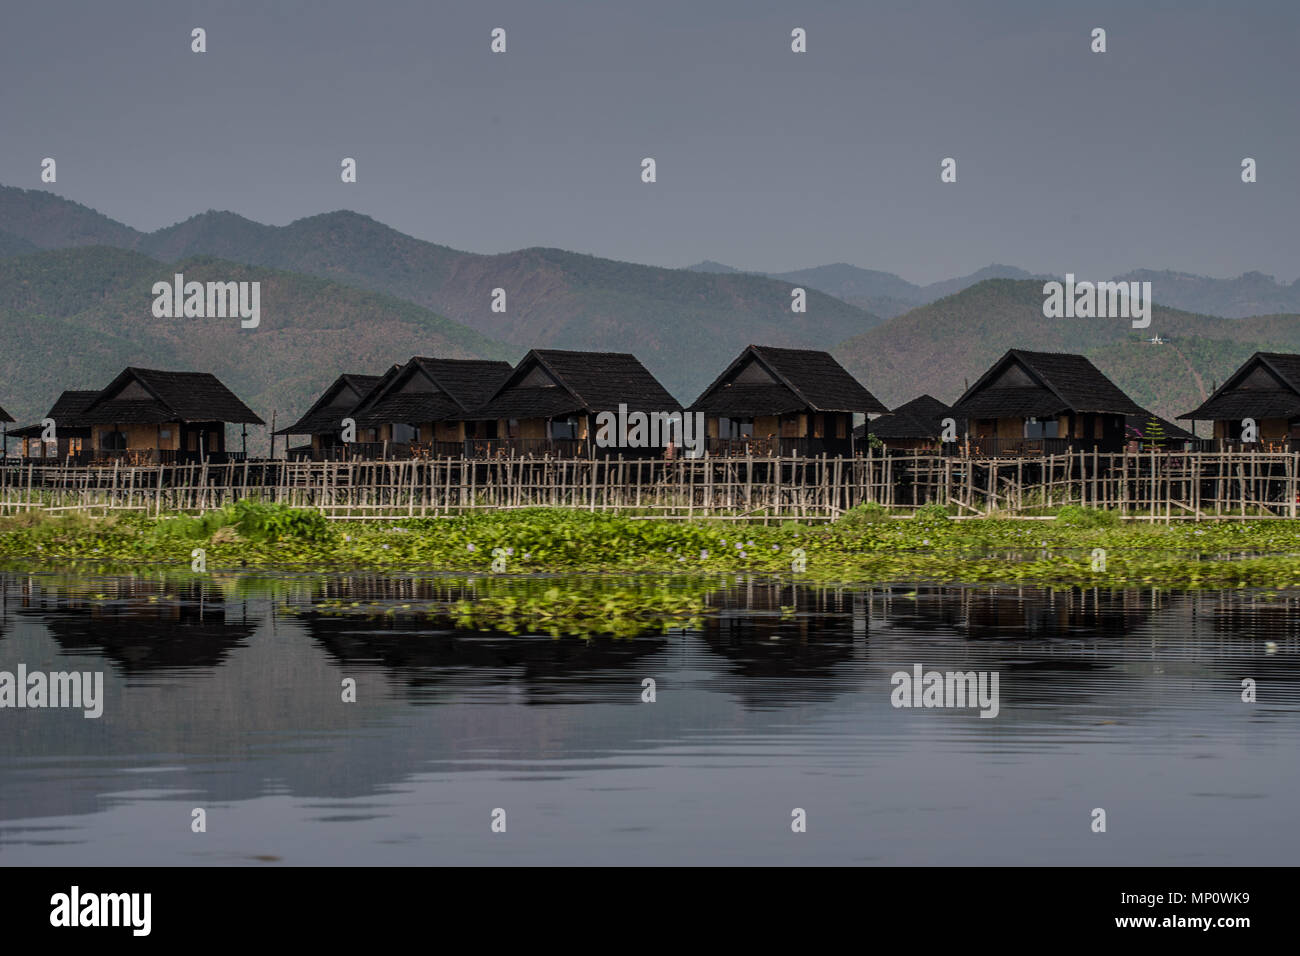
(225, 692)
(140, 624)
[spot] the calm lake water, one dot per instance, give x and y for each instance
(1130, 701)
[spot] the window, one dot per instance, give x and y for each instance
(404, 433)
(112, 441)
(735, 428)
(1044, 428)
(564, 428)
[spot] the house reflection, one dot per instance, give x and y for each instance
(140, 624)
(1012, 613)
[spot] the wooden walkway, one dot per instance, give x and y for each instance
(1144, 486)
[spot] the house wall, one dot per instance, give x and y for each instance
(442, 431)
(140, 437)
(527, 428)
(65, 445)
(1270, 429)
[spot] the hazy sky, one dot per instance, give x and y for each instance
(1067, 160)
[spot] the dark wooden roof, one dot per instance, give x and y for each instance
(458, 387)
(326, 413)
(1136, 426)
(1277, 395)
(801, 380)
(922, 417)
(66, 412)
(1055, 382)
(589, 382)
(5, 416)
(167, 397)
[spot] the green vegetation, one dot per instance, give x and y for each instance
(100, 298)
(866, 545)
(1153, 434)
(682, 322)
(935, 347)
(621, 606)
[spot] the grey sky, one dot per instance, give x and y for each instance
(1067, 160)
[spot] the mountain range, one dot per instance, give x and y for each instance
(888, 295)
(343, 292)
(685, 326)
(940, 347)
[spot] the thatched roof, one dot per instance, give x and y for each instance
(143, 396)
(431, 390)
(1267, 385)
(335, 403)
(921, 418)
(764, 380)
(1042, 385)
(66, 412)
(551, 382)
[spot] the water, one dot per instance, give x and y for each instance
(1128, 701)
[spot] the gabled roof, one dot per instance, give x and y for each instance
(1055, 382)
(324, 415)
(800, 380)
(1234, 400)
(458, 387)
(922, 417)
(167, 397)
(66, 412)
(589, 382)
(1138, 424)
(5, 416)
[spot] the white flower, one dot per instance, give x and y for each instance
(704, 555)
(470, 546)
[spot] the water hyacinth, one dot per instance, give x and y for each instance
(1247, 553)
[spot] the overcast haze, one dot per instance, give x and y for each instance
(767, 160)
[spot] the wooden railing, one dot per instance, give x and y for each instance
(770, 446)
(1014, 447)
